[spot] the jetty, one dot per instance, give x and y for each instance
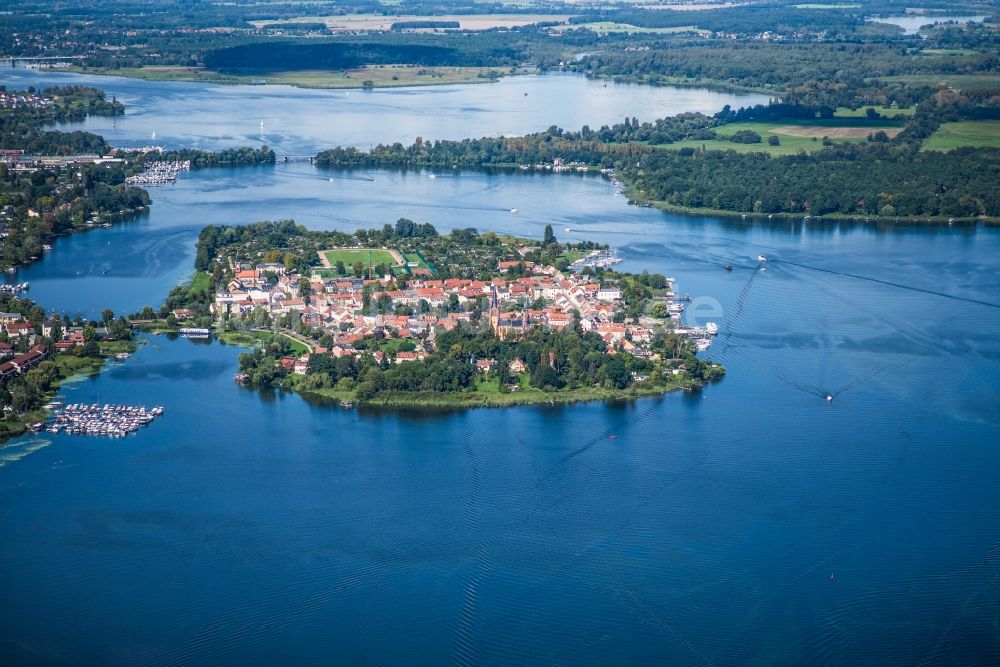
(195, 332)
(110, 421)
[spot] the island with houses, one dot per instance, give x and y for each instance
(404, 316)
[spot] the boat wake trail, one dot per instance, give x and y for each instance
(879, 281)
(366, 179)
(464, 641)
(865, 380)
(729, 322)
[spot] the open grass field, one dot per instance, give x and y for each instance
(888, 112)
(379, 22)
(931, 53)
(793, 135)
(975, 133)
(382, 76)
(385, 76)
(958, 81)
(251, 338)
(351, 255)
(200, 284)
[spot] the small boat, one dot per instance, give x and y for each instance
(612, 437)
(569, 230)
(432, 176)
(833, 577)
(728, 267)
(761, 258)
(513, 210)
(829, 397)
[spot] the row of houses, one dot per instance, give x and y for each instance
(337, 305)
(19, 329)
(22, 363)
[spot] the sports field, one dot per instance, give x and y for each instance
(351, 255)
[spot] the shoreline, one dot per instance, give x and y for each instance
(114, 219)
(875, 220)
(87, 367)
(196, 75)
(467, 399)
(680, 82)
(473, 400)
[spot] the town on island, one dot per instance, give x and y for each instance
(403, 316)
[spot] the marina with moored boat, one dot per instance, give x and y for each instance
(111, 421)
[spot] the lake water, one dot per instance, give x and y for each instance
(911, 24)
(751, 522)
(302, 121)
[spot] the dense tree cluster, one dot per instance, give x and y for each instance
(744, 20)
(829, 74)
(58, 200)
(554, 360)
(601, 147)
(878, 179)
(244, 156)
(21, 127)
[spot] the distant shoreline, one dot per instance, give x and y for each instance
(354, 79)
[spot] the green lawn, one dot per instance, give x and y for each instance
(959, 81)
(250, 338)
(888, 112)
(415, 257)
(200, 284)
(976, 133)
(793, 135)
(350, 256)
(930, 53)
(382, 76)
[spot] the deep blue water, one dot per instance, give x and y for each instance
(247, 528)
